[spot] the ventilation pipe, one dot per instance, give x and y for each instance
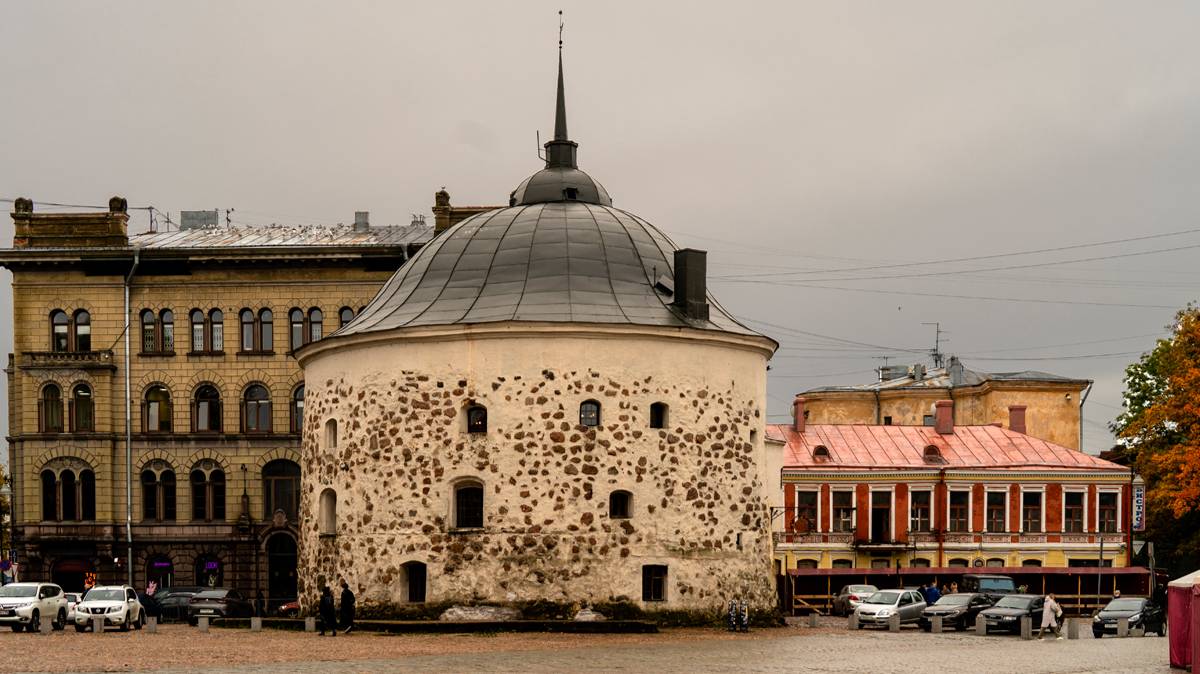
(691, 295)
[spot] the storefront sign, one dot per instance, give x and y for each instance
(1139, 507)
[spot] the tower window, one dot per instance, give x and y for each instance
(589, 413)
(468, 505)
(620, 505)
(477, 419)
(654, 582)
(658, 415)
(570, 193)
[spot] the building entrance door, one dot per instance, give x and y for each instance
(69, 574)
(281, 571)
(881, 516)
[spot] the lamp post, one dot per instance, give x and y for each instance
(5, 526)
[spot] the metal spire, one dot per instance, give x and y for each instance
(560, 152)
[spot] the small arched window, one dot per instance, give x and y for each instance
(196, 318)
(477, 419)
(468, 505)
(67, 495)
(266, 335)
(49, 496)
(59, 331)
(83, 409)
(256, 410)
(589, 413)
(216, 330)
(149, 333)
(158, 492)
(208, 492)
(995, 562)
(206, 409)
(167, 319)
(958, 562)
(658, 415)
(820, 453)
(156, 410)
(327, 513)
(919, 563)
(295, 329)
(246, 318)
(620, 505)
(345, 315)
(83, 331)
(51, 409)
(316, 322)
(1031, 562)
(932, 454)
(331, 436)
(297, 412)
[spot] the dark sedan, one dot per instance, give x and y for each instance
(1140, 611)
(219, 603)
(957, 610)
(1006, 614)
(173, 601)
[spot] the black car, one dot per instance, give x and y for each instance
(219, 602)
(150, 605)
(1141, 613)
(1006, 614)
(957, 610)
(173, 601)
(993, 585)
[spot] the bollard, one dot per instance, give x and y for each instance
(1073, 628)
(1026, 627)
(45, 625)
(935, 624)
(151, 624)
(256, 624)
(1139, 631)
(980, 624)
(894, 623)
(812, 619)
(1122, 627)
(202, 623)
(98, 624)
(310, 624)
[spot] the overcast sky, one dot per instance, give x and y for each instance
(784, 138)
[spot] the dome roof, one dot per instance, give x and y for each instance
(565, 261)
(558, 184)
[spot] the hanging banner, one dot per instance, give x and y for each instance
(1139, 507)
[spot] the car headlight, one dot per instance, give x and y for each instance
(114, 609)
(884, 612)
(1134, 618)
(26, 604)
(1010, 617)
(1096, 618)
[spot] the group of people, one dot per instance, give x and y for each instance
(328, 611)
(739, 616)
(931, 594)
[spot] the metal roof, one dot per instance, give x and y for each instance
(859, 447)
(283, 236)
(954, 375)
(557, 262)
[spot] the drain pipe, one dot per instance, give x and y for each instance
(1082, 400)
(129, 430)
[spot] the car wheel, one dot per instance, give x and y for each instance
(125, 623)
(1098, 635)
(17, 628)
(61, 623)
(1162, 629)
(80, 628)
(137, 624)
(35, 622)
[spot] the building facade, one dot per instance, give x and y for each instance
(216, 399)
(944, 496)
(904, 396)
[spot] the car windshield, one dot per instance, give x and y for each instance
(72, 596)
(212, 594)
(105, 594)
(953, 600)
(18, 591)
(861, 589)
(996, 584)
(1014, 602)
(1124, 605)
(884, 597)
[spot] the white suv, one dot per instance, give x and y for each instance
(118, 604)
(22, 605)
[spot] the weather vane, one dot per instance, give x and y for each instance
(560, 27)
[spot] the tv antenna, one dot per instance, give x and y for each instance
(936, 353)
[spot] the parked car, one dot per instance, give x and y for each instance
(850, 596)
(1006, 614)
(173, 601)
(289, 610)
(219, 602)
(73, 598)
(22, 606)
(881, 606)
(118, 604)
(994, 586)
(150, 605)
(957, 610)
(1140, 611)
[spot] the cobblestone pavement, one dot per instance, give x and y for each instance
(830, 648)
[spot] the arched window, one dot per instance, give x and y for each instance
(208, 492)
(295, 329)
(83, 409)
(167, 320)
(209, 571)
(331, 438)
(49, 496)
(932, 454)
(620, 505)
(806, 563)
(281, 488)
(843, 564)
(297, 412)
(59, 331)
(658, 415)
(246, 318)
(958, 562)
(995, 562)
(68, 494)
(87, 495)
(266, 337)
(327, 513)
(196, 318)
(589, 413)
(50, 409)
(256, 410)
(149, 333)
(206, 409)
(316, 321)
(158, 492)
(477, 419)
(83, 331)
(919, 563)
(821, 453)
(1031, 562)
(156, 410)
(468, 505)
(216, 330)
(345, 315)
(69, 498)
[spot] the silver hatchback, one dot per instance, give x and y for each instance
(879, 608)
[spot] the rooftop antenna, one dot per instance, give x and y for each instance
(541, 155)
(936, 353)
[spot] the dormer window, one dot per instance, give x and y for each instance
(570, 193)
(820, 453)
(933, 454)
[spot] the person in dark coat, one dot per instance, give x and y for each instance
(347, 608)
(260, 605)
(328, 612)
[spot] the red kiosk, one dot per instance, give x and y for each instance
(1183, 619)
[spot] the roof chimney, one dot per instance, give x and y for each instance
(690, 293)
(1016, 418)
(362, 221)
(943, 417)
(799, 414)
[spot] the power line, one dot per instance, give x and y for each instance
(1091, 341)
(1078, 357)
(98, 208)
(827, 374)
(829, 337)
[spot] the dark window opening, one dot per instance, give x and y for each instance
(654, 582)
(843, 511)
(297, 414)
(589, 413)
(83, 331)
(959, 511)
(167, 326)
(345, 315)
(620, 505)
(281, 488)
(266, 335)
(477, 419)
(806, 512)
(416, 575)
(51, 412)
(1031, 511)
(156, 410)
(316, 322)
(1107, 517)
(83, 409)
(256, 410)
(887, 421)
(208, 493)
(246, 318)
(927, 420)
(1073, 512)
(821, 453)
(658, 415)
(158, 495)
(197, 321)
(468, 506)
(997, 503)
(571, 193)
(881, 516)
(295, 329)
(206, 410)
(216, 334)
(59, 331)
(922, 510)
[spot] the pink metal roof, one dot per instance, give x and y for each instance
(869, 447)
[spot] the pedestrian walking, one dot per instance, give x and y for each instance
(1051, 612)
(932, 594)
(260, 605)
(347, 608)
(744, 616)
(733, 615)
(328, 612)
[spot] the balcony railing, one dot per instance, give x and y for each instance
(81, 360)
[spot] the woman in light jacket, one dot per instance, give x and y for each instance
(1051, 612)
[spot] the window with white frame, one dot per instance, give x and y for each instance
(806, 512)
(1031, 512)
(920, 510)
(996, 513)
(1073, 512)
(960, 511)
(843, 511)
(1106, 512)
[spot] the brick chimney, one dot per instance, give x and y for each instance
(943, 416)
(1016, 418)
(70, 230)
(798, 414)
